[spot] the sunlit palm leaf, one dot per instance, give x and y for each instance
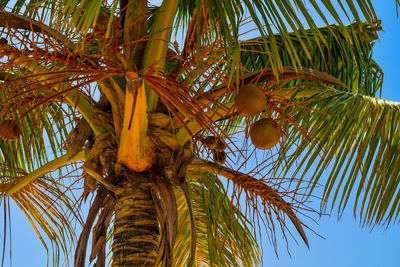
(38, 129)
(225, 237)
(357, 137)
(275, 17)
(50, 208)
(278, 17)
(48, 205)
(350, 62)
(41, 121)
(339, 132)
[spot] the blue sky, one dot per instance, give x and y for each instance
(345, 243)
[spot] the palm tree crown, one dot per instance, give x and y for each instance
(145, 126)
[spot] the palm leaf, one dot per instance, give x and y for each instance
(350, 62)
(361, 164)
(279, 17)
(41, 120)
(46, 126)
(50, 208)
(338, 132)
(225, 237)
(360, 147)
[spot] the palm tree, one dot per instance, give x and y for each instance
(149, 125)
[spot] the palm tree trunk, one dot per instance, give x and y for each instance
(136, 228)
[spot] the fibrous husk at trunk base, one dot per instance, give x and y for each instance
(9, 130)
(265, 133)
(250, 100)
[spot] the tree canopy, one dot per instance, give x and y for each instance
(108, 89)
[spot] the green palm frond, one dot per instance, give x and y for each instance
(350, 62)
(50, 208)
(360, 148)
(46, 126)
(52, 165)
(323, 113)
(45, 204)
(42, 121)
(75, 15)
(279, 17)
(225, 237)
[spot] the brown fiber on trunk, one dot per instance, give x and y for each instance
(136, 228)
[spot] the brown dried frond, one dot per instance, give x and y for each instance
(191, 33)
(46, 47)
(271, 200)
(36, 76)
(185, 91)
(266, 203)
(180, 99)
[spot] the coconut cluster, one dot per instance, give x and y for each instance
(217, 147)
(249, 101)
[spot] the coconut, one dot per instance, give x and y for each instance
(210, 141)
(214, 143)
(219, 157)
(159, 120)
(220, 146)
(250, 100)
(9, 130)
(265, 134)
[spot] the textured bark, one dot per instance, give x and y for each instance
(136, 228)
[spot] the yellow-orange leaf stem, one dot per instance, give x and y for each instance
(135, 149)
